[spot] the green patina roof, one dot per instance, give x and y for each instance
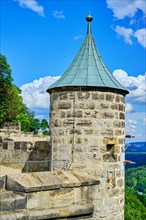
(87, 68)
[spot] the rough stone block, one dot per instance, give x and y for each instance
(17, 145)
(68, 122)
(84, 123)
(30, 182)
(118, 132)
(72, 95)
(11, 201)
(76, 114)
(114, 106)
(120, 182)
(117, 98)
(90, 105)
(111, 140)
(108, 157)
(63, 96)
(62, 114)
(83, 95)
(78, 140)
(122, 116)
(5, 145)
(75, 131)
(64, 105)
(1, 140)
(98, 96)
(88, 132)
(95, 114)
(2, 182)
(108, 115)
(121, 107)
(86, 179)
(104, 106)
(109, 97)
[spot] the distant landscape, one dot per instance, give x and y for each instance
(136, 152)
(135, 181)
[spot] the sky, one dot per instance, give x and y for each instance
(40, 38)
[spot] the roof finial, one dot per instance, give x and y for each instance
(89, 18)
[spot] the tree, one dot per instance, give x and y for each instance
(11, 104)
(35, 125)
(135, 203)
(44, 125)
(12, 108)
(9, 93)
(25, 122)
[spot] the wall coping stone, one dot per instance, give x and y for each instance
(41, 181)
(54, 213)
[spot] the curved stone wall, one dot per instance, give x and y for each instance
(86, 125)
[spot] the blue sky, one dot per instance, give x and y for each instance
(41, 37)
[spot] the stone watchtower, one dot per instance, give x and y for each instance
(87, 121)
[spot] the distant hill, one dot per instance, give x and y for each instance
(136, 147)
(135, 193)
(135, 152)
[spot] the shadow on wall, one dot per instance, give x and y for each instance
(39, 158)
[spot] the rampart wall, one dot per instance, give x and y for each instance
(25, 151)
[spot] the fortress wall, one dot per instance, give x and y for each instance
(22, 154)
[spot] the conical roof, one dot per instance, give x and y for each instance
(87, 69)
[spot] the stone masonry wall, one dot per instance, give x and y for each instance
(88, 129)
(83, 122)
(26, 155)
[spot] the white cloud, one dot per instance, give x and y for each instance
(126, 8)
(129, 8)
(141, 36)
(135, 126)
(133, 122)
(127, 33)
(33, 5)
(34, 94)
(130, 125)
(78, 37)
(135, 85)
(128, 107)
(144, 120)
(58, 14)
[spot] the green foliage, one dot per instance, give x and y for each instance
(12, 108)
(5, 73)
(5, 86)
(136, 178)
(44, 126)
(10, 100)
(11, 104)
(135, 193)
(35, 125)
(25, 121)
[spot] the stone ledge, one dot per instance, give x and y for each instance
(41, 181)
(71, 211)
(12, 201)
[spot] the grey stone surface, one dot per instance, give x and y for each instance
(2, 182)
(57, 213)
(10, 201)
(43, 181)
